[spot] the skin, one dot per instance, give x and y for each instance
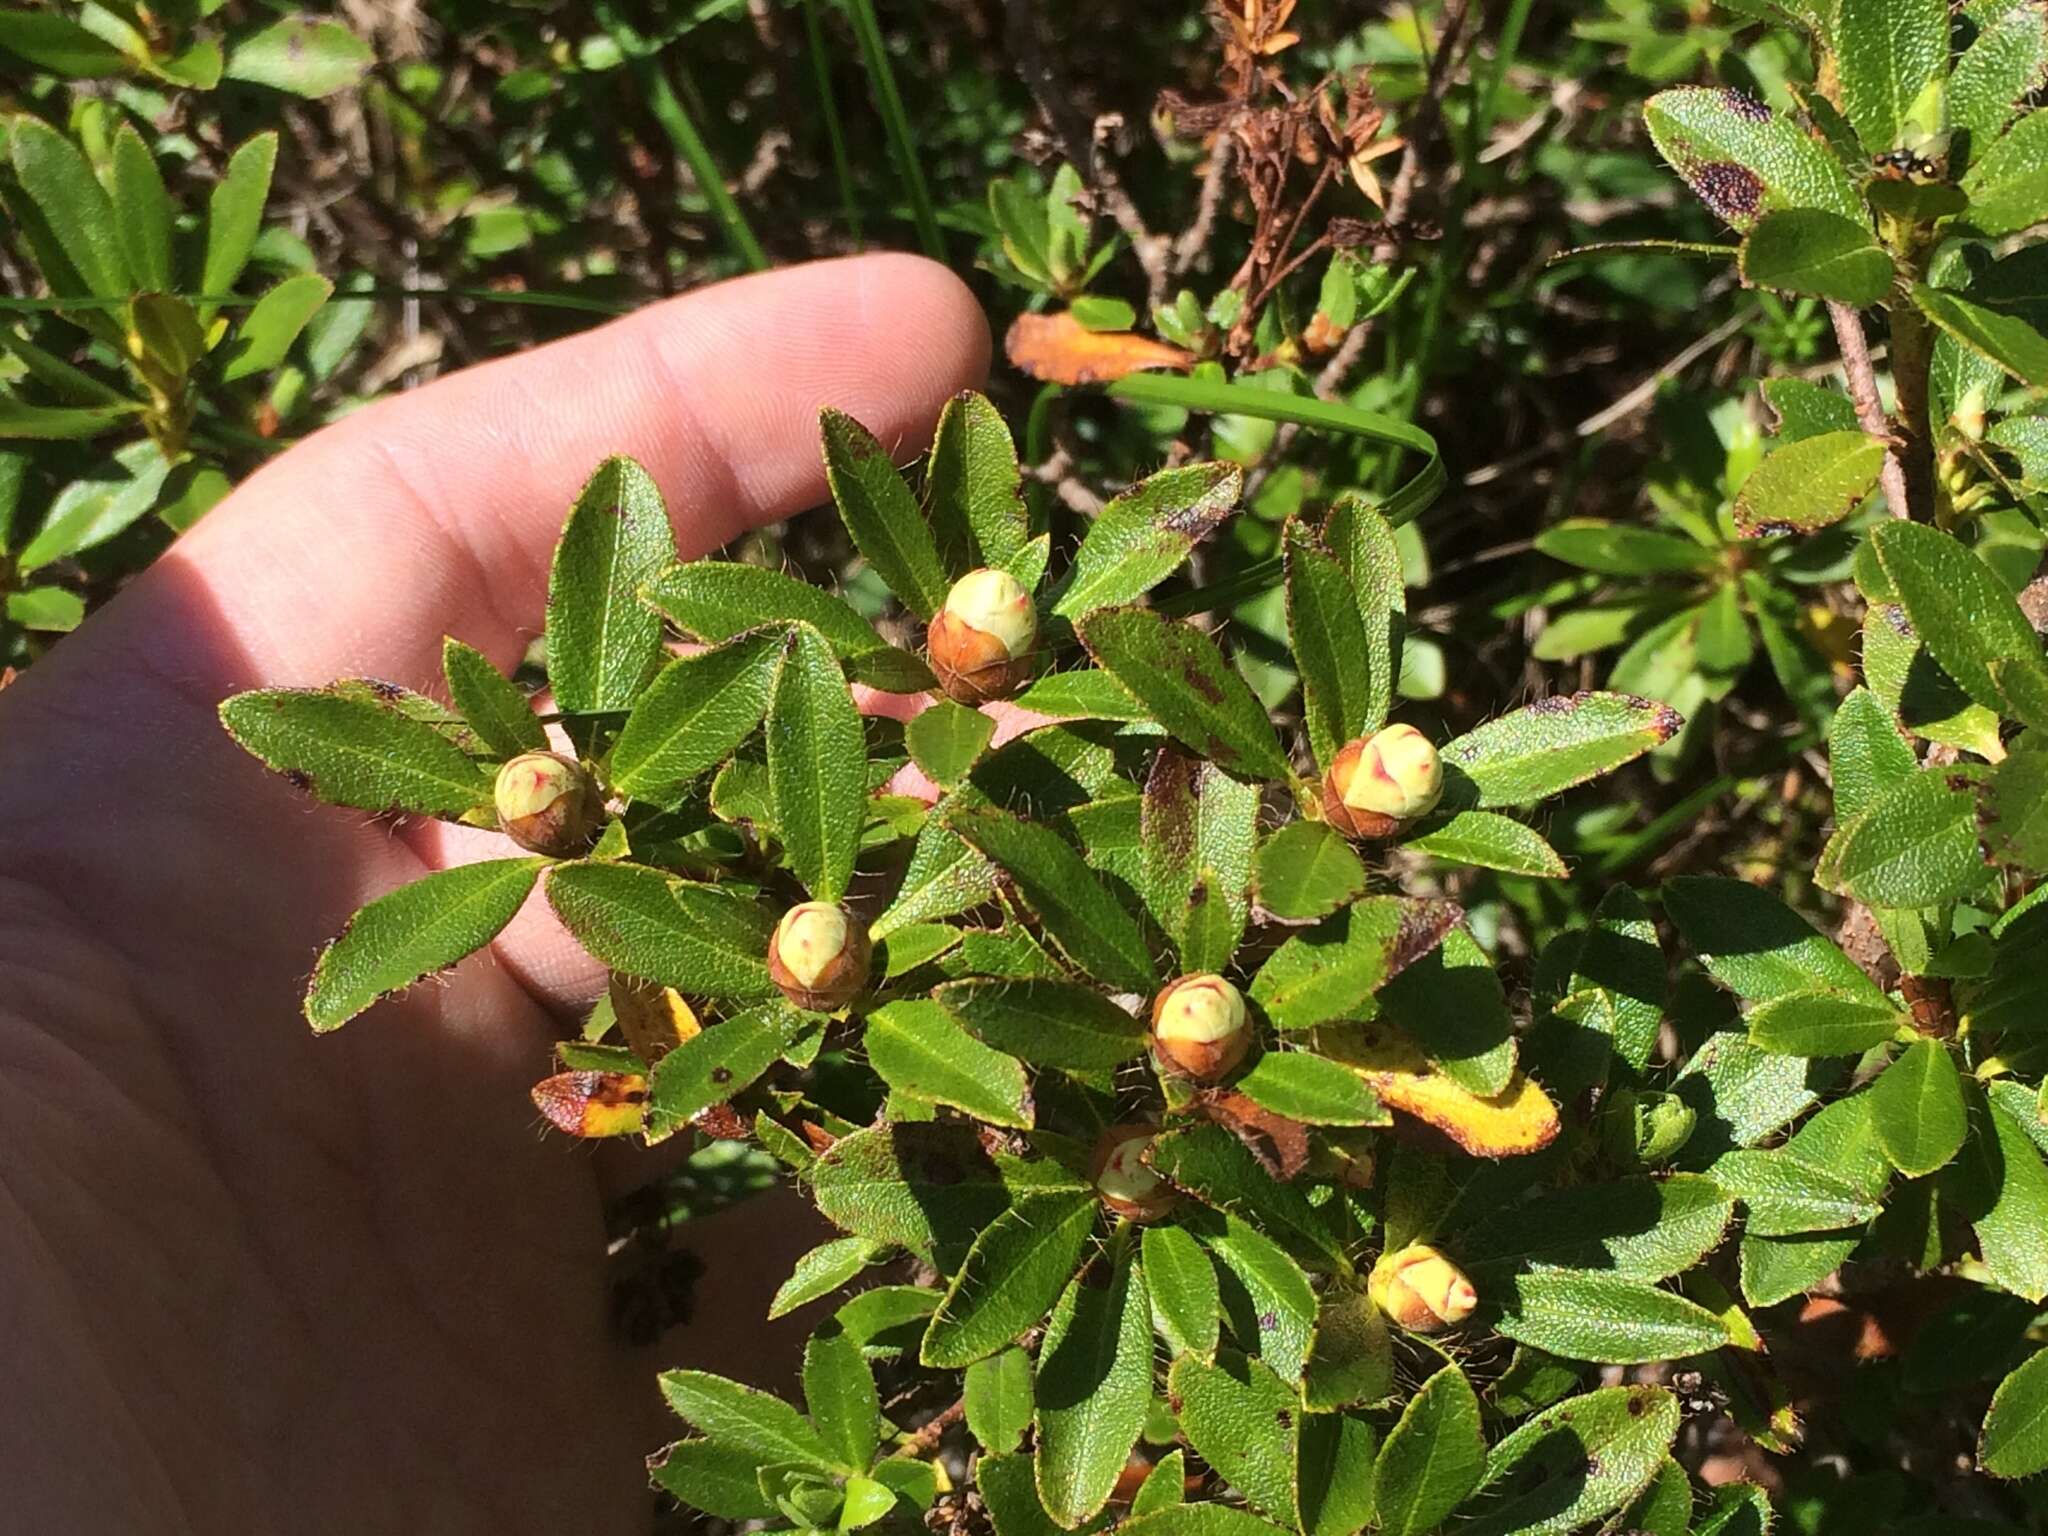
(256, 1281)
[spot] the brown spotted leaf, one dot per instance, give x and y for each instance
(1060, 350)
(1551, 745)
(1744, 160)
(1331, 971)
(593, 1104)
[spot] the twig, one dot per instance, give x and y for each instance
(930, 1433)
(1869, 408)
(1194, 239)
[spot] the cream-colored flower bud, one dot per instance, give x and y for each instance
(1200, 1029)
(818, 957)
(1124, 1180)
(979, 643)
(1380, 781)
(547, 803)
(1421, 1290)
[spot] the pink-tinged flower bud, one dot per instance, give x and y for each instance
(1421, 1290)
(548, 804)
(1380, 781)
(592, 1104)
(1200, 1030)
(979, 644)
(1123, 1178)
(819, 957)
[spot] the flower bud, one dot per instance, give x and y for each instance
(1379, 781)
(548, 804)
(1646, 1129)
(1421, 1290)
(1199, 1028)
(1124, 1180)
(980, 643)
(819, 957)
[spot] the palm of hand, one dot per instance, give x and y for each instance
(260, 1278)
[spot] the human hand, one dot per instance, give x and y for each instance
(252, 1280)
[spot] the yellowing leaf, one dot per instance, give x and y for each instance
(1517, 1120)
(1061, 350)
(593, 1103)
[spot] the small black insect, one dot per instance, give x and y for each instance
(1697, 1396)
(1905, 165)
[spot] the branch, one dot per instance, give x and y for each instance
(1869, 408)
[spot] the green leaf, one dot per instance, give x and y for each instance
(822, 1271)
(1180, 675)
(1916, 846)
(700, 939)
(1311, 1089)
(1963, 615)
(881, 514)
(999, 1400)
(234, 214)
(1094, 1384)
(1215, 1167)
(2005, 339)
(1830, 1175)
(919, 1050)
(926, 1187)
(1755, 945)
(817, 766)
(1916, 1108)
(2015, 1438)
(60, 423)
(973, 488)
(719, 1062)
(1575, 1462)
(1638, 1229)
(143, 227)
(1331, 971)
(1621, 549)
(496, 708)
(1553, 744)
(1198, 826)
(2006, 60)
(1866, 753)
(1079, 913)
(714, 1477)
(1617, 983)
(1165, 1486)
(1198, 1520)
(1743, 160)
(1433, 1457)
(77, 211)
(302, 56)
(1362, 539)
(946, 738)
(267, 332)
(51, 610)
(763, 1426)
(352, 750)
(1821, 254)
(413, 932)
(945, 877)
(1806, 409)
(1008, 1487)
(602, 642)
(1047, 1023)
(1606, 1319)
(1809, 484)
(839, 1392)
(1144, 535)
(1330, 648)
(1241, 1418)
(1486, 840)
(1351, 1360)
(2001, 1188)
(1187, 1306)
(1306, 871)
(1822, 1024)
(695, 713)
(1775, 1269)
(2015, 826)
(1266, 1297)
(714, 600)
(1085, 693)
(1887, 52)
(1450, 1002)
(59, 45)
(2008, 190)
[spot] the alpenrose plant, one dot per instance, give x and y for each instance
(1235, 1191)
